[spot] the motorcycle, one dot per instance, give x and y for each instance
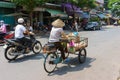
(9, 35)
(13, 48)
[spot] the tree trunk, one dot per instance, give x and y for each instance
(31, 18)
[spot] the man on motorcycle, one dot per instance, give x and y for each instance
(20, 32)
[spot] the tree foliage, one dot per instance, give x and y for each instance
(84, 3)
(80, 3)
(114, 5)
(29, 5)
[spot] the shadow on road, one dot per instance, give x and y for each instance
(28, 57)
(72, 66)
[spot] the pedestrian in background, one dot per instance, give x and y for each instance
(3, 29)
(29, 27)
(76, 25)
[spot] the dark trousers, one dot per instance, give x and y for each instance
(61, 48)
(2, 35)
(25, 41)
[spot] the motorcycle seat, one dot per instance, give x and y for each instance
(15, 40)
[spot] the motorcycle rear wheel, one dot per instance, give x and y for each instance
(9, 53)
(37, 47)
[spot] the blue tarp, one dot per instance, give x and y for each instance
(85, 15)
(70, 8)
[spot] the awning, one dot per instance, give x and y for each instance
(15, 14)
(102, 16)
(71, 9)
(56, 13)
(7, 5)
(39, 9)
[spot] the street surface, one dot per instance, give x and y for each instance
(102, 63)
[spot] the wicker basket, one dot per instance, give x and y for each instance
(78, 45)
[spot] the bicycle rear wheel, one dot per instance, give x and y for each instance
(49, 66)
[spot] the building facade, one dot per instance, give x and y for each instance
(7, 7)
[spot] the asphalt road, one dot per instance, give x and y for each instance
(102, 63)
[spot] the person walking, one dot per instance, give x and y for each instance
(76, 25)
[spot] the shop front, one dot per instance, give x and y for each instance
(7, 8)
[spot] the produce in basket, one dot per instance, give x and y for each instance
(73, 36)
(71, 46)
(76, 46)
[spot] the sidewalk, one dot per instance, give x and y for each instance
(41, 33)
(111, 26)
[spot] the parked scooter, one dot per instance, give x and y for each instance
(13, 47)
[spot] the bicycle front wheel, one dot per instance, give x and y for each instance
(49, 65)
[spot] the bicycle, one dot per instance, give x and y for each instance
(53, 53)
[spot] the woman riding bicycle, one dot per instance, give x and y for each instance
(55, 35)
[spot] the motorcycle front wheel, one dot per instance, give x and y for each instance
(10, 53)
(37, 47)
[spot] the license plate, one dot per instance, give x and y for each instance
(5, 46)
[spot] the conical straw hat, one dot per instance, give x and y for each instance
(58, 23)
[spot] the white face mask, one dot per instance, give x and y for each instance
(1, 23)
